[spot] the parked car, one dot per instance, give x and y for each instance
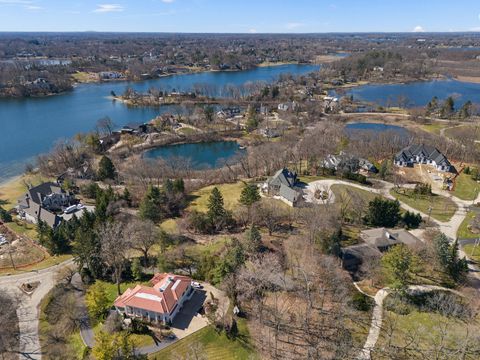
(197, 285)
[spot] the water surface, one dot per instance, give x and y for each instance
(201, 155)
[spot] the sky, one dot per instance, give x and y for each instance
(240, 16)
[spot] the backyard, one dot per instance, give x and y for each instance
(465, 187)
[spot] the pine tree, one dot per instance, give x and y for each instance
(137, 269)
(249, 195)
(216, 210)
(150, 206)
(254, 240)
(106, 169)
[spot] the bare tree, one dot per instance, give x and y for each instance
(143, 235)
(115, 245)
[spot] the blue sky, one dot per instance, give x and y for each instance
(243, 16)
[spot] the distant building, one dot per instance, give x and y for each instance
(283, 185)
(423, 154)
(159, 303)
(344, 161)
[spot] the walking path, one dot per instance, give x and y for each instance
(377, 316)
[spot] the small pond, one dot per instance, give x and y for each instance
(204, 155)
(375, 128)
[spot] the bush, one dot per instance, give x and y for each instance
(361, 302)
(398, 304)
(5, 216)
(412, 220)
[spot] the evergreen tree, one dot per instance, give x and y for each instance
(249, 195)
(447, 255)
(412, 220)
(137, 269)
(383, 212)
(179, 186)
(399, 265)
(97, 301)
(331, 245)
(254, 240)
(216, 211)
(151, 205)
(106, 169)
(127, 197)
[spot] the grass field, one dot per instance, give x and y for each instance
(425, 328)
(49, 261)
(23, 228)
(434, 128)
(213, 346)
(472, 252)
(442, 208)
(230, 193)
(463, 231)
(466, 188)
(16, 187)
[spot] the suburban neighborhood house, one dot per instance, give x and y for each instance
(48, 202)
(344, 161)
(423, 154)
(282, 185)
(42, 202)
(159, 303)
(376, 242)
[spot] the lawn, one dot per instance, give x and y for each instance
(465, 187)
(433, 128)
(463, 231)
(230, 192)
(213, 346)
(23, 228)
(15, 188)
(472, 252)
(442, 208)
(48, 262)
(344, 191)
(425, 328)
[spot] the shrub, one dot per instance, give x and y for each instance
(361, 302)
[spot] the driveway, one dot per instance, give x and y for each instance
(27, 310)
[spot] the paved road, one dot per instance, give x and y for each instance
(27, 311)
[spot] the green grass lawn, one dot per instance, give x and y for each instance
(48, 262)
(230, 193)
(472, 252)
(23, 228)
(425, 327)
(442, 208)
(463, 231)
(466, 188)
(14, 189)
(213, 345)
(433, 128)
(346, 191)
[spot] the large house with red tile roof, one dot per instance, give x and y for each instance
(159, 302)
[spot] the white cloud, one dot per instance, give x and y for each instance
(418, 28)
(106, 8)
(293, 25)
(252, 31)
(475, 29)
(33, 7)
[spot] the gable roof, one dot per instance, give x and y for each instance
(382, 237)
(427, 151)
(285, 177)
(288, 193)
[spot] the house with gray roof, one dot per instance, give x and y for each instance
(283, 185)
(423, 154)
(44, 203)
(344, 161)
(383, 239)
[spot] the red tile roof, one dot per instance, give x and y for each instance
(161, 298)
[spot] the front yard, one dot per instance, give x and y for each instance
(466, 188)
(442, 208)
(212, 345)
(464, 231)
(230, 192)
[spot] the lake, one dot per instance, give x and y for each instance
(417, 93)
(374, 128)
(204, 155)
(31, 126)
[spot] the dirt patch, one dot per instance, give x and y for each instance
(19, 252)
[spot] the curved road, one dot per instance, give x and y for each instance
(27, 311)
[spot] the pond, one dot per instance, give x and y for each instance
(374, 128)
(416, 93)
(204, 155)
